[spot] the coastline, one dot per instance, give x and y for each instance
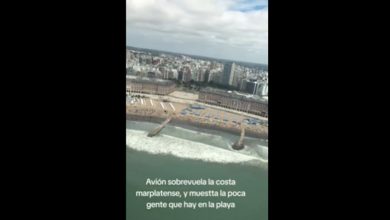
(180, 122)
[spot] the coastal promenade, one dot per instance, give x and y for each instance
(158, 109)
(190, 98)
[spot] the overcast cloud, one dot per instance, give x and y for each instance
(229, 29)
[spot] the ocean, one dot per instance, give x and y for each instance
(194, 153)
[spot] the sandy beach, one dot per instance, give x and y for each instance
(157, 110)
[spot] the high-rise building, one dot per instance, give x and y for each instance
(128, 55)
(180, 75)
(206, 76)
(187, 76)
(243, 84)
(262, 89)
(228, 74)
(232, 74)
(251, 87)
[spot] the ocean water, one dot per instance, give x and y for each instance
(193, 153)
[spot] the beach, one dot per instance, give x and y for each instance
(156, 110)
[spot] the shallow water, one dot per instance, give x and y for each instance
(186, 153)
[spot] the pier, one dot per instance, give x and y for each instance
(240, 143)
(157, 130)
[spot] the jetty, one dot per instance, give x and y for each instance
(157, 130)
(240, 143)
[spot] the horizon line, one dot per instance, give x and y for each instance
(199, 55)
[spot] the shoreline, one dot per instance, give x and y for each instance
(197, 125)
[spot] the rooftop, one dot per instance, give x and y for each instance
(130, 78)
(235, 94)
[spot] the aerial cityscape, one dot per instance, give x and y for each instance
(197, 100)
(164, 85)
(246, 77)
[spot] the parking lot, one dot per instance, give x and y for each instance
(155, 104)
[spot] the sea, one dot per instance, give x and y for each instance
(192, 153)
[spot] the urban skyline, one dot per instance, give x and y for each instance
(196, 55)
(244, 77)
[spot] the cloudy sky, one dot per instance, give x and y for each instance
(228, 29)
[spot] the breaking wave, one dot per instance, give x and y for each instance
(187, 149)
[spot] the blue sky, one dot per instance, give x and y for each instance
(228, 29)
(249, 5)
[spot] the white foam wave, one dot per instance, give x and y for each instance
(164, 144)
(198, 133)
(188, 130)
(263, 150)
